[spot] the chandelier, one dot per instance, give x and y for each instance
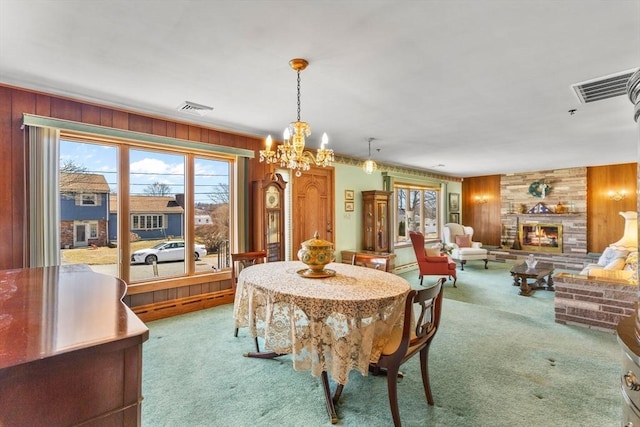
(291, 153)
(369, 166)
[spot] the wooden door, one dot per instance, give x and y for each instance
(313, 207)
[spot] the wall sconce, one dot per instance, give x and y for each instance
(481, 199)
(617, 195)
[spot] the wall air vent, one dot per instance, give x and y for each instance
(603, 87)
(193, 108)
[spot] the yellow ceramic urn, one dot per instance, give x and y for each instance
(316, 253)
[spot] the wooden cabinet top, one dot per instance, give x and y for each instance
(53, 310)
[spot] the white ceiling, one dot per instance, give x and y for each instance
(464, 88)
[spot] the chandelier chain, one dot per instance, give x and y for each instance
(298, 95)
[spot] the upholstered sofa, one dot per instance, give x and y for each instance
(459, 237)
(613, 263)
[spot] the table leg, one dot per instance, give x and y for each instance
(331, 410)
(262, 354)
(516, 281)
(525, 290)
(550, 282)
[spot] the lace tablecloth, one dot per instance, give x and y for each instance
(332, 324)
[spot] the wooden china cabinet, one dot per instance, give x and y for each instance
(376, 227)
(268, 223)
(376, 221)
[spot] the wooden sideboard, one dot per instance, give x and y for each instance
(630, 377)
(70, 349)
(347, 256)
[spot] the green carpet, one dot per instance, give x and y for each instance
(499, 359)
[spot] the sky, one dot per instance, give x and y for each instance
(146, 168)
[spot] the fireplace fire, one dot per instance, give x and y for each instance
(539, 237)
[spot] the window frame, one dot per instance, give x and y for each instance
(122, 171)
(407, 188)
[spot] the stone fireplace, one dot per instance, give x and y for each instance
(540, 237)
(546, 233)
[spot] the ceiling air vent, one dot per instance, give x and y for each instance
(193, 108)
(603, 87)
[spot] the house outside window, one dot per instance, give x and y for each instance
(417, 209)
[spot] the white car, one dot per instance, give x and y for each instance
(166, 251)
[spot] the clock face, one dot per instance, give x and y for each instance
(272, 198)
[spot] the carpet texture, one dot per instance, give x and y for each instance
(499, 359)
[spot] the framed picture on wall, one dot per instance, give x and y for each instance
(454, 202)
(454, 217)
(348, 206)
(348, 194)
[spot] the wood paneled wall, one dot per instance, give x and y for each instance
(14, 102)
(483, 217)
(604, 223)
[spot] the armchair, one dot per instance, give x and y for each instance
(431, 264)
(464, 248)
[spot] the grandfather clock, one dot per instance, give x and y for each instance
(376, 209)
(268, 223)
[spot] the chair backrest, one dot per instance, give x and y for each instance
(241, 260)
(451, 230)
(370, 261)
(417, 240)
(426, 318)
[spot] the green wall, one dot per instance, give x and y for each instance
(348, 226)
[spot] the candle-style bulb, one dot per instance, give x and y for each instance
(286, 135)
(269, 142)
(325, 140)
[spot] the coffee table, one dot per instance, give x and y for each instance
(521, 273)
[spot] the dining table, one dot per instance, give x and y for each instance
(330, 323)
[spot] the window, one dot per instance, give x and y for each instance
(147, 222)
(157, 183)
(93, 230)
(417, 209)
(87, 199)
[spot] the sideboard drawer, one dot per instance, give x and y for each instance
(630, 415)
(630, 382)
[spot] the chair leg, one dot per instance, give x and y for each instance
(455, 279)
(485, 264)
(420, 279)
(257, 345)
(338, 393)
(235, 333)
(424, 367)
(392, 389)
(462, 264)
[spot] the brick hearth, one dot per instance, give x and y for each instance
(597, 304)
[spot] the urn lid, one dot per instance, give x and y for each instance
(316, 243)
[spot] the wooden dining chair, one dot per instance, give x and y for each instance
(242, 260)
(370, 261)
(404, 342)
